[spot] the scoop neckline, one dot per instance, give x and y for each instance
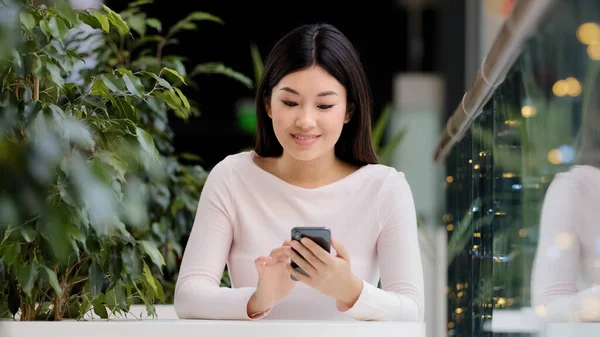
(332, 185)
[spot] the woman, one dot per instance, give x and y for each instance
(566, 270)
(313, 166)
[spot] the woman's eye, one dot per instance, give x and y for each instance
(290, 103)
(325, 107)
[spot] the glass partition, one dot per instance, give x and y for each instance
(523, 195)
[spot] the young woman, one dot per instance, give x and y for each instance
(313, 166)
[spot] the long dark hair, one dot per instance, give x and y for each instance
(325, 46)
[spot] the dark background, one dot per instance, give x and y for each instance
(378, 30)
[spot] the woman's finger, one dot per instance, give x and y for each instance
(308, 255)
(318, 251)
(298, 275)
(341, 250)
(301, 262)
(278, 254)
(261, 261)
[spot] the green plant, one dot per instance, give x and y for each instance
(75, 161)
(172, 201)
(386, 150)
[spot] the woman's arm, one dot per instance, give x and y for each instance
(402, 295)
(198, 293)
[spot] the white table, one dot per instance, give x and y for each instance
(205, 328)
(572, 330)
(523, 320)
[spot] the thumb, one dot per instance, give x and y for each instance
(341, 250)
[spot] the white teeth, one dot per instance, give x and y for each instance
(305, 138)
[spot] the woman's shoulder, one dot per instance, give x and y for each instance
(384, 174)
(578, 180)
(225, 168)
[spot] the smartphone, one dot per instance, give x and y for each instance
(320, 235)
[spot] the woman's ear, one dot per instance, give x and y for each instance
(349, 112)
(267, 101)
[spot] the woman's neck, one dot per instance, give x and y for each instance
(314, 173)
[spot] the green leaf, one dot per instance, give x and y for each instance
(125, 109)
(203, 16)
(160, 294)
(75, 233)
(124, 71)
(154, 23)
(146, 141)
(153, 252)
(121, 295)
(386, 153)
(149, 278)
(257, 63)
(114, 161)
(174, 102)
(27, 276)
(99, 88)
(52, 227)
(138, 23)
(183, 98)
(96, 101)
(139, 3)
(77, 132)
(187, 24)
(53, 281)
(110, 298)
(103, 19)
(27, 20)
(58, 28)
(96, 279)
(161, 81)
(55, 74)
(174, 72)
(175, 62)
(99, 308)
(132, 262)
(177, 205)
(116, 20)
(28, 234)
(45, 28)
(31, 111)
(134, 85)
(92, 20)
(380, 126)
(10, 253)
(218, 68)
(67, 12)
(114, 83)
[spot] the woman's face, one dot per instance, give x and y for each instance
(308, 110)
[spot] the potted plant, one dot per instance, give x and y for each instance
(75, 160)
(172, 201)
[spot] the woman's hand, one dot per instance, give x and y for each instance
(274, 281)
(328, 274)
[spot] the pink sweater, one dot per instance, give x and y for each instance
(245, 212)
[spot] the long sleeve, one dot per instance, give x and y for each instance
(198, 294)
(557, 261)
(402, 295)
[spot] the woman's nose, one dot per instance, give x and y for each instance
(306, 119)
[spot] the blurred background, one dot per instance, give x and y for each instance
(114, 112)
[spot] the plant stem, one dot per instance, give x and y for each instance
(36, 88)
(159, 48)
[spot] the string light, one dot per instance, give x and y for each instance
(588, 33)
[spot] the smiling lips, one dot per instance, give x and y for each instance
(305, 140)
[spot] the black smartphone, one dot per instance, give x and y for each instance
(320, 235)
